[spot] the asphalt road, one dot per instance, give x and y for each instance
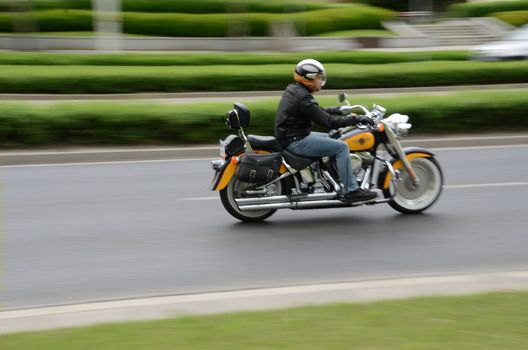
(77, 233)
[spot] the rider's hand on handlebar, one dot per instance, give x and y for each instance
(335, 110)
(363, 119)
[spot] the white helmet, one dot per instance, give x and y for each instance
(307, 71)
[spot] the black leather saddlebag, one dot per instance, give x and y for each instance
(259, 168)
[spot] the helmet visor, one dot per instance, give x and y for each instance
(320, 76)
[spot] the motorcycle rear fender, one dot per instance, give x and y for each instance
(224, 174)
(410, 153)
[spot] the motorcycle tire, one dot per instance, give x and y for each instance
(232, 191)
(412, 199)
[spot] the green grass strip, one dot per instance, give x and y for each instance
(182, 59)
(484, 321)
(140, 123)
(112, 79)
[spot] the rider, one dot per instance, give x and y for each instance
(293, 123)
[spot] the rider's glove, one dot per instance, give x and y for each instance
(363, 119)
(334, 110)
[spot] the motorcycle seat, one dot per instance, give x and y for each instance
(297, 162)
(264, 142)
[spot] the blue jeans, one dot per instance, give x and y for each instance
(319, 144)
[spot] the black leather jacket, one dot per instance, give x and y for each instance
(297, 110)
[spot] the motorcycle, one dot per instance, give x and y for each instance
(256, 176)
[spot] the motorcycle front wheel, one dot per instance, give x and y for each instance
(413, 199)
(235, 190)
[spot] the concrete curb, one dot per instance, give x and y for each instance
(258, 299)
(132, 154)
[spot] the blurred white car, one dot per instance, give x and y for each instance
(513, 46)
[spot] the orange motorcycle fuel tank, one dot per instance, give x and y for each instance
(359, 140)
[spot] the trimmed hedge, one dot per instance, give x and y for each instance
(6, 5)
(148, 59)
(116, 79)
(53, 20)
(408, 5)
(184, 6)
(516, 18)
(23, 125)
(212, 25)
(484, 8)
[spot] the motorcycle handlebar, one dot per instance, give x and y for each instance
(351, 108)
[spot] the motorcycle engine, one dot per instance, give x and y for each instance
(357, 162)
(360, 160)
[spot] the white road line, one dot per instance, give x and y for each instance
(447, 187)
(498, 184)
(201, 148)
(116, 150)
(476, 147)
(506, 137)
(209, 158)
(199, 199)
(108, 163)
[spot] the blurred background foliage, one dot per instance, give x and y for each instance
(135, 123)
(514, 12)
(206, 18)
(129, 79)
(216, 18)
(28, 124)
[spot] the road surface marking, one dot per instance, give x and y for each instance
(209, 158)
(497, 184)
(117, 162)
(447, 187)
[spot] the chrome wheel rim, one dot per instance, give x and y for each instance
(417, 197)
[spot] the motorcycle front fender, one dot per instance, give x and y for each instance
(224, 174)
(410, 153)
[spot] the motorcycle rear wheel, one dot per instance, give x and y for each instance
(413, 199)
(234, 190)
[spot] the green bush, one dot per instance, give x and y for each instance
(138, 123)
(212, 25)
(122, 79)
(484, 8)
(400, 5)
(516, 18)
(64, 20)
(219, 6)
(346, 18)
(183, 6)
(53, 20)
(185, 59)
(408, 5)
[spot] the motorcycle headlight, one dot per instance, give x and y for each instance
(404, 126)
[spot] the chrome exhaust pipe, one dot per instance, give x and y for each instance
(295, 205)
(332, 203)
(285, 199)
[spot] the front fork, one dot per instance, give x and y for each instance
(395, 143)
